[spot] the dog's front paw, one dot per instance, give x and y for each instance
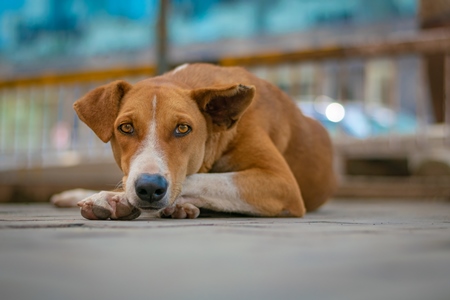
(108, 205)
(181, 211)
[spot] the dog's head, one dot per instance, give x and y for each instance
(158, 131)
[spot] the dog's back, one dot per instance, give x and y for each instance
(302, 141)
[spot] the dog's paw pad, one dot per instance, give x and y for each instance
(168, 211)
(101, 212)
(86, 209)
(181, 211)
(123, 210)
(97, 207)
(191, 210)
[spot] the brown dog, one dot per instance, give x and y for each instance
(211, 137)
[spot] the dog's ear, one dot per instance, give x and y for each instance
(99, 108)
(224, 104)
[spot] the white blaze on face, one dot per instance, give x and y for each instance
(148, 159)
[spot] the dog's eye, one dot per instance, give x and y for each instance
(182, 129)
(126, 128)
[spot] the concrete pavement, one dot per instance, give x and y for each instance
(348, 250)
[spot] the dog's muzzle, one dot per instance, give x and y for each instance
(151, 188)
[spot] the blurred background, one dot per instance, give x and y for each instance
(375, 73)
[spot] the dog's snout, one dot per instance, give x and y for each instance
(151, 187)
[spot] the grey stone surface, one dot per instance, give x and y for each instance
(347, 250)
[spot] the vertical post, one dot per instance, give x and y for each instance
(161, 34)
(446, 99)
(318, 79)
(18, 124)
(342, 92)
(294, 77)
(421, 103)
(3, 114)
(394, 101)
(45, 126)
(31, 132)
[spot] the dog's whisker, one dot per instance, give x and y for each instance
(119, 185)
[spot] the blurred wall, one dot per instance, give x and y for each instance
(69, 34)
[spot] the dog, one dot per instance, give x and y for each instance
(205, 137)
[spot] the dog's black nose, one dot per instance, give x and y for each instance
(151, 187)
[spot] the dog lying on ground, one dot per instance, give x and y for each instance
(203, 136)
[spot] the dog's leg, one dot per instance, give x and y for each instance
(70, 198)
(108, 205)
(223, 192)
(216, 192)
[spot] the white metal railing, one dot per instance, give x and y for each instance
(389, 94)
(385, 80)
(39, 128)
